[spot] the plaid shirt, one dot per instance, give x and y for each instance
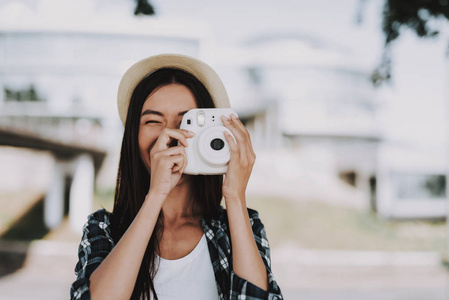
(97, 243)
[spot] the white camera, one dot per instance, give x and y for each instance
(208, 152)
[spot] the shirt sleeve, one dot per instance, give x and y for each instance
(243, 289)
(96, 244)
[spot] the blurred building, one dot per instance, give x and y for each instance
(315, 98)
(60, 67)
(413, 161)
(310, 97)
(308, 103)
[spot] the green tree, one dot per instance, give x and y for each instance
(143, 7)
(412, 14)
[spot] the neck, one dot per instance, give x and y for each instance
(179, 204)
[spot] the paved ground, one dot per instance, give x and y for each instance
(43, 276)
(48, 273)
(368, 283)
(338, 275)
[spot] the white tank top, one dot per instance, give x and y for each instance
(190, 277)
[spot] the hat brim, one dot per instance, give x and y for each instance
(203, 72)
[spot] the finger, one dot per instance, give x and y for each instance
(237, 122)
(167, 135)
(183, 167)
(238, 134)
(176, 150)
(242, 127)
(181, 135)
(173, 163)
(177, 163)
(245, 148)
(232, 144)
(183, 164)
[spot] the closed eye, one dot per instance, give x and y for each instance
(152, 122)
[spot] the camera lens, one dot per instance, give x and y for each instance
(217, 144)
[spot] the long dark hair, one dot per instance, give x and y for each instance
(133, 180)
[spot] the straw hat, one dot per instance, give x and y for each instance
(195, 67)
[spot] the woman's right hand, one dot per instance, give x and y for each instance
(168, 163)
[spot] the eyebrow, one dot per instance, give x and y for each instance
(158, 113)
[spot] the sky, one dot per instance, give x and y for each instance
(234, 21)
(415, 102)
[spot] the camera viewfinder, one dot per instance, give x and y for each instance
(201, 118)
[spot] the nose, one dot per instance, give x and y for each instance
(174, 125)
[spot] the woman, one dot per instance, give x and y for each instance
(168, 237)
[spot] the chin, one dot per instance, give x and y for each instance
(185, 177)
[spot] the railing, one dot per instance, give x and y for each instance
(33, 118)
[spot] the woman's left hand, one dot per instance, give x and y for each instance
(242, 159)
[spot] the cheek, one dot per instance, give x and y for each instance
(146, 139)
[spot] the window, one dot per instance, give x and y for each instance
(419, 186)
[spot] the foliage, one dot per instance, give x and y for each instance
(144, 8)
(412, 14)
(22, 95)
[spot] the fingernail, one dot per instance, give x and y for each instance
(191, 133)
(233, 117)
